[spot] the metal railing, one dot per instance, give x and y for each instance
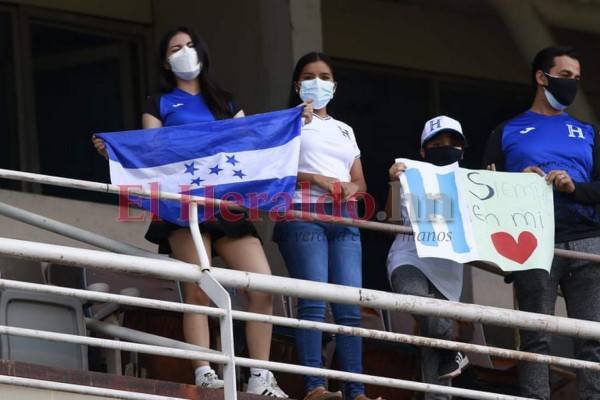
(211, 279)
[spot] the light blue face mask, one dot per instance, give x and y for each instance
(318, 90)
(557, 105)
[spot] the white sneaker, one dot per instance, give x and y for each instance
(452, 364)
(209, 380)
(265, 386)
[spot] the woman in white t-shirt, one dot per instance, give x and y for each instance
(330, 177)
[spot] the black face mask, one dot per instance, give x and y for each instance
(443, 155)
(564, 90)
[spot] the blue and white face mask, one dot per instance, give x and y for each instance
(317, 90)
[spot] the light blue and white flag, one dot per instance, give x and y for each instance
(252, 161)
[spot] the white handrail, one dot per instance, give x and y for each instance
(195, 354)
(87, 390)
(292, 323)
(248, 362)
(74, 232)
(183, 271)
(116, 344)
(220, 297)
(275, 284)
(114, 189)
(217, 277)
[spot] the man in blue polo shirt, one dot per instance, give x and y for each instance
(547, 140)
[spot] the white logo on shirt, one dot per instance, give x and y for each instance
(575, 130)
(526, 130)
(178, 105)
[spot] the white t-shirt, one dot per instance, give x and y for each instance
(327, 147)
(446, 275)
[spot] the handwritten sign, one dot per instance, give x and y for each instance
(467, 215)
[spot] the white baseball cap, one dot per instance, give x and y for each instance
(439, 124)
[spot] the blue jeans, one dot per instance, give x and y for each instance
(323, 252)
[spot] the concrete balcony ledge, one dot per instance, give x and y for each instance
(99, 380)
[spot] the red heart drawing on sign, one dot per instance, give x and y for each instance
(518, 251)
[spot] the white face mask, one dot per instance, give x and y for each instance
(185, 64)
(317, 90)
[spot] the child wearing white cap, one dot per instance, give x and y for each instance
(442, 143)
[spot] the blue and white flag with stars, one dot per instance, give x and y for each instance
(252, 161)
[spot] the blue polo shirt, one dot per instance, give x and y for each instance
(558, 142)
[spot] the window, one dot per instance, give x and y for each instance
(387, 109)
(78, 76)
(9, 159)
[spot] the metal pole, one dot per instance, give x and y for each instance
(74, 232)
(313, 290)
(79, 234)
(291, 368)
(84, 390)
(220, 296)
(134, 336)
(141, 337)
(108, 188)
(114, 344)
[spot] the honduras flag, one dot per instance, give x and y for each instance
(252, 161)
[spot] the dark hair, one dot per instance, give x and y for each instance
(308, 58)
(217, 99)
(544, 60)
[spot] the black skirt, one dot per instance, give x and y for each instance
(159, 231)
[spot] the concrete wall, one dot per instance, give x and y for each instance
(425, 36)
(24, 393)
(250, 43)
(98, 218)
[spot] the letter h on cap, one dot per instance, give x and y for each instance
(434, 124)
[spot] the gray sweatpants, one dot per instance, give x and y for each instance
(536, 292)
(410, 280)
